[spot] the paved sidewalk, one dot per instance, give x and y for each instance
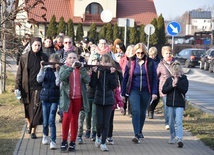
(154, 143)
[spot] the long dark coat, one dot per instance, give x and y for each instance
(29, 97)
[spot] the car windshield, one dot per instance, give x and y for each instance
(198, 52)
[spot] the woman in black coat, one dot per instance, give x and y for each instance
(27, 84)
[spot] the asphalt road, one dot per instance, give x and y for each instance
(201, 89)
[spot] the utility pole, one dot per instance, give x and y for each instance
(3, 50)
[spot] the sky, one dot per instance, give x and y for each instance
(171, 9)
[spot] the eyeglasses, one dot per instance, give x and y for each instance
(140, 53)
(67, 42)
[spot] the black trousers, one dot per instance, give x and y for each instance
(103, 120)
(111, 125)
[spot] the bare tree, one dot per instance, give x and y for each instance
(9, 10)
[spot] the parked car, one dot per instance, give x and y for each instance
(189, 57)
(211, 66)
(206, 59)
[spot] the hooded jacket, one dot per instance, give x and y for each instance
(174, 94)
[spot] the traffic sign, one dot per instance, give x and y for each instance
(106, 16)
(122, 22)
(149, 29)
(173, 28)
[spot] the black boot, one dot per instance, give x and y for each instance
(151, 114)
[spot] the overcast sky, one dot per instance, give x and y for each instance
(174, 8)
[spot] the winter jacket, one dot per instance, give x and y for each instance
(174, 94)
(48, 50)
(151, 76)
(50, 85)
(118, 100)
(104, 82)
(64, 74)
(163, 73)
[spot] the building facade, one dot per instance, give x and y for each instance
(82, 11)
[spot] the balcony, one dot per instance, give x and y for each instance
(91, 18)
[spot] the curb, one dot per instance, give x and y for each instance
(20, 140)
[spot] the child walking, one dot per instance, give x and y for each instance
(176, 87)
(104, 81)
(74, 78)
(118, 103)
(49, 95)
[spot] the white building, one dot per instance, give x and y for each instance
(199, 21)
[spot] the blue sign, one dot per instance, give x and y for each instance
(173, 28)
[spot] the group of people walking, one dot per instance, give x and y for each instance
(90, 81)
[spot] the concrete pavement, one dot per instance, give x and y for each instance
(154, 143)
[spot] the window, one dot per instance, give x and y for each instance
(93, 8)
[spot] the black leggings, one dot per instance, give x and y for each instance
(103, 120)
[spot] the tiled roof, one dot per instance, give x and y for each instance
(143, 11)
(58, 8)
(200, 14)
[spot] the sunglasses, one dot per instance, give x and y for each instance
(140, 53)
(67, 42)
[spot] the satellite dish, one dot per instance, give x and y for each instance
(106, 16)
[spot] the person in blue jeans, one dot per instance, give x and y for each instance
(176, 87)
(163, 73)
(140, 82)
(49, 77)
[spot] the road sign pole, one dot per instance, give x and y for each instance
(148, 38)
(125, 31)
(172, 44)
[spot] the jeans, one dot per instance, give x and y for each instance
(91, 117)
(81, 123)
(139, 101)
(176, 115)
(49, 116)
(166, 111)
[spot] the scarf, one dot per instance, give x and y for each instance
(69, 49)
(104, 51)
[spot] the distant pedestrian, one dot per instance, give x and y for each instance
(25, 47)
(48, 47)
(176, 87)
(153, 54)
(163, 73)
(49, 95)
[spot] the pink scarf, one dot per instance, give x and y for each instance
(104, 51)
(69, 49)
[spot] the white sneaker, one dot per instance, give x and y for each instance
(45, 140)
(110, 141)
(167, 127)
(172, 140)
(52, 145)
(97, 141)
(103, 147)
